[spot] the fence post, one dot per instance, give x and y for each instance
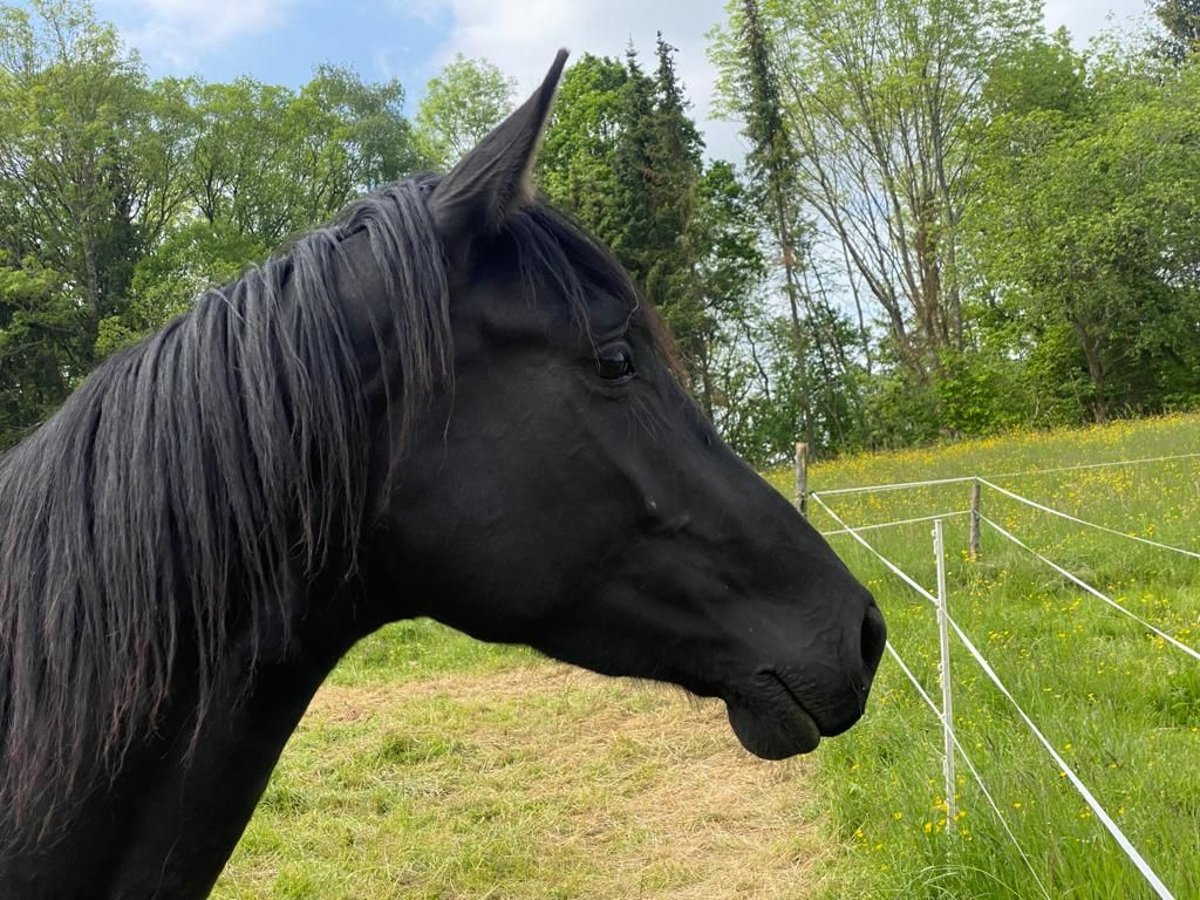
(973, 548)
(802, 478)
(939, 550)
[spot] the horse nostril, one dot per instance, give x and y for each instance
(874, 637)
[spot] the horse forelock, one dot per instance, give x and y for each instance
(552, 246)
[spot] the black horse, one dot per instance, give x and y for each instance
(451, 403)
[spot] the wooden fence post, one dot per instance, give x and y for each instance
(802, 478)
(973, 549)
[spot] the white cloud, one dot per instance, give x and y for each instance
(522, 36)
(180, 32)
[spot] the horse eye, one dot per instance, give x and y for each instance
(615, 363)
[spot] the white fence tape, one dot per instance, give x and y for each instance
(1078, 521)
(945, 515)
(1093, 591)
(1110, 825)
(970, 766)
(899, 486)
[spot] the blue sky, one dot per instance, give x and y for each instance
(280, 41)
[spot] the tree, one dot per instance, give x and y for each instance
(729, 272)
(1089, 240)
(460, 106)
(70, 124)
(265, 162)
(1180, 20)
(41, 349)
(752, 92)
(633, 165)
(576, 167)
(880, 103)
(120, 199)
(671, 253)
(377, 140)
(88, 180)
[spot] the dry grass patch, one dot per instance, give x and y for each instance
(538, 781)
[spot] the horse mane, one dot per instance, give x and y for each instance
(186, 494)
(199, 469)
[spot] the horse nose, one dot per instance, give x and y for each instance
(873, 640)
(866, 633)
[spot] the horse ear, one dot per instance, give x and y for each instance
(495, 178)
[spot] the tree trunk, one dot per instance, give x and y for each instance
(1096, 371)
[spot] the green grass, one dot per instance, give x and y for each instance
(419, 649)
(435, 766)
(1120, 705)
(432, 766)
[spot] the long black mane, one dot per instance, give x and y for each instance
(189, 489)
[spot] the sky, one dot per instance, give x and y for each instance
(281, 41)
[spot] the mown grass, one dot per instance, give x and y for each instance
(436, 766)
(432, 766)
(1120, 704)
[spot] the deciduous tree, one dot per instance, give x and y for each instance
(460, 106)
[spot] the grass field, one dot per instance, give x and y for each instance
(1120, 704)
(434, 766)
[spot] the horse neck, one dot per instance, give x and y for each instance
(175, 812)
(192, 811)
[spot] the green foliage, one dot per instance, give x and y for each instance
(377, 143)
(39, 341)
(72, 127)
(576, 165)
(460, 106)
(1019, 217)
(902, 409)
(874, 106)
(272, 162)
(122, 198)
(668, 180)
(1088, 229)
(632, 169)
(193, 257)
(81, 189)
(956, 227)
(1180, 21)
(1044, 74)
(979, 393)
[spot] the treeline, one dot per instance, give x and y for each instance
(1015, 221)
(947, 221)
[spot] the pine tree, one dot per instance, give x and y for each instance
(672, 281)
(632, 171)
(772, 165)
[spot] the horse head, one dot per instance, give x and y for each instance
(562, 490)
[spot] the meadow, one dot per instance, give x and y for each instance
(1120, 704)
(435, 766)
